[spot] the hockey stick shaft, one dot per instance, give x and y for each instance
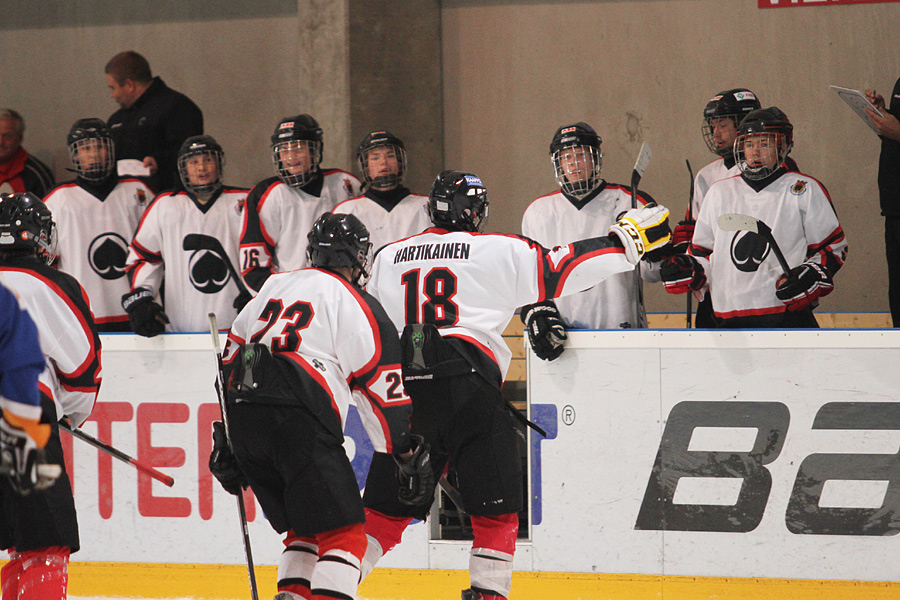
(198, 241)
(640, 165)
(690, 215)
(104, 447)
(242, 511)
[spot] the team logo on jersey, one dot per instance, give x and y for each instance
(106, 255)
(239, 206)
(799, 187)
(748, 251)
(348, 187)
(141, 197)
(207, 271)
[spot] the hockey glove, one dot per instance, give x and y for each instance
(222, 463)
(681, 274)
(22, 458)
(642, 230)
(803, 286)
(415, 475)
(683, 234)
(145, 316)
(546, 330)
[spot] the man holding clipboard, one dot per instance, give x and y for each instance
(888, 128)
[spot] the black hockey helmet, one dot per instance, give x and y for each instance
(91, 149)
(735, 104)
(201, 145)
(340, 241)
(26, 225)
(764, 122)
(458, 202)
(382, 139)
(577, 135)
(292, 132)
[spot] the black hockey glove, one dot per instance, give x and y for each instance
(222, 463)
(803, 286)
(22, 456)
(241, 301)
(681, 274)
(145, 316)
(415, 475)
(546, 330)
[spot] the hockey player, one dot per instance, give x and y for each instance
(278, 207)
(389, 210)
(747, 285)
(39, 529)
(97, 214)
(197, 282)
(452, 291)
(294, 356)
(585, 206)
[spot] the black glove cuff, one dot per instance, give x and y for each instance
(137, 296)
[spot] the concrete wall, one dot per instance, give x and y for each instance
(642, 71)
(481, 85)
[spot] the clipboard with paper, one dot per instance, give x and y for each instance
(859, 103)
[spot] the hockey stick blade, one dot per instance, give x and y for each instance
(200, 241)
(166, 479)
(739, 222)
(640, 165)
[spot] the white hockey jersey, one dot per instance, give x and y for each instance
(93, 240)
(197, 282)
(278, 218)
(741, 269)
(553, 220)
(408, 217)
(707, 176)
(338, 335)
(469, 285)
(60, 309)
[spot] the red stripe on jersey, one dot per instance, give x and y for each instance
(570, 265)
(370, 317)
(259, 207)
(147, 211)
(146, 255)
(753, 312)
(42, 388)
(75, 311)
(317, 377)
(116, 319)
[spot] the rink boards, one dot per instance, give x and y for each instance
(677, 464)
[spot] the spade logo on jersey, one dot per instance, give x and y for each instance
(748, 250)
(106, 255)
(207, 271)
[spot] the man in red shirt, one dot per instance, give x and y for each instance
(19, 171)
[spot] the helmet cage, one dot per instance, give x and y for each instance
(769, 123)
(87, 155)
(337, 241)
(205, 189)
(734, 104)
(390, 180)
(584, 186)
(27, 225)
(313, 148)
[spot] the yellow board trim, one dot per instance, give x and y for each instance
(227, 582)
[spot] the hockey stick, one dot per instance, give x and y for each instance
(242, 512)
(738, 222)
(199, 241)
(640, 166)
(166, 479)
(690, 215)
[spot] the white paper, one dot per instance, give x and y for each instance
(859, 103)
(131, 166)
